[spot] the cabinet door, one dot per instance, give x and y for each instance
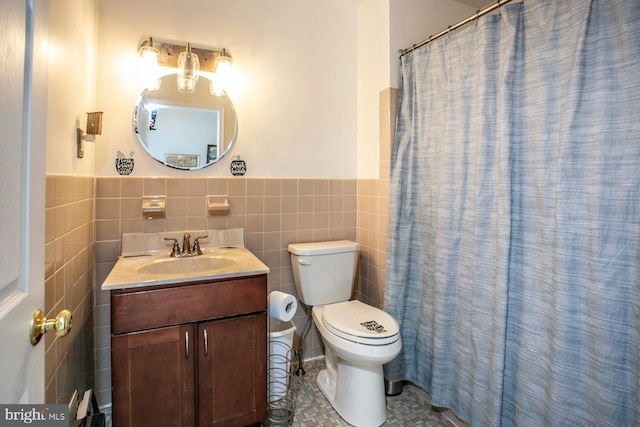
(232, 371)
(152, 375)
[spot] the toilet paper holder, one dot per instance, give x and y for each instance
(281, 306)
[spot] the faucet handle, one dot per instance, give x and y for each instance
(196, 245)
(175, 251)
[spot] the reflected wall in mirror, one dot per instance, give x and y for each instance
(185, 130)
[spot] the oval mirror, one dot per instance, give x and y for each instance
(185, 130)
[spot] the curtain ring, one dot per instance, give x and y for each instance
(499, 9)
(449, 33)
(477, 16)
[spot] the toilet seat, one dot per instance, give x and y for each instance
(360, 323)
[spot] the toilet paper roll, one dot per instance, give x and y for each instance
(282, 306)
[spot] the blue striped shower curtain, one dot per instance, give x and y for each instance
(513, 261)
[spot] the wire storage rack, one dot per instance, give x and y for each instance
(282, 385)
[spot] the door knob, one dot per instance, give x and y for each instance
(40, 324)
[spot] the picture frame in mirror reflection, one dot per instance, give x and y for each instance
(182, 160)
(212, 153)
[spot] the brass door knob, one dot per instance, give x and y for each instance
(40, 324)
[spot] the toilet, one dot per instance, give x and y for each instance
(358, 338)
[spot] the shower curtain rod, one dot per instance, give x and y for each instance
(478, 14)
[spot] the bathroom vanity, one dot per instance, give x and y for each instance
(191, 352)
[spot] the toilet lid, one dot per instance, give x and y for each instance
(359, 322)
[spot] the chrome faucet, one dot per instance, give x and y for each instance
(186, 246)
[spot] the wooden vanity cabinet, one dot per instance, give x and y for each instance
(190, 355)
(153, 381)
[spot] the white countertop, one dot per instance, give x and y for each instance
(125, 274)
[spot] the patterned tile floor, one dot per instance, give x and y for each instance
(410, 408)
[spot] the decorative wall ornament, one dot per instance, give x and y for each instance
(124, 165)
(238, 167)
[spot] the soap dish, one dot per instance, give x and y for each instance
(217, 205)
(154, 207)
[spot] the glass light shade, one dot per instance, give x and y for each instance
(149, 72)
(188, 68)
(223, 64)
(222, 77)
(148, 54)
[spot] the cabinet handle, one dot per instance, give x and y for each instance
(206, 343)
(186, 344)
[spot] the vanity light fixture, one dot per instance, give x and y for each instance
(148, 52)
(189, 61)
(223, 63)
(149, 64)
(188, 69)
(94, 127)
(223, 66)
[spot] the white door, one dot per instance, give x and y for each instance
(23, 71)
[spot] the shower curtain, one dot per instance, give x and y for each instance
(514, 238)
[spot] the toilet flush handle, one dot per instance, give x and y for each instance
(303, 261)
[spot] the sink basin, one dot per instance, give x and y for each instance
(155, 269)
(198, 264)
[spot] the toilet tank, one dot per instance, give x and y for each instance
(324, 272)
